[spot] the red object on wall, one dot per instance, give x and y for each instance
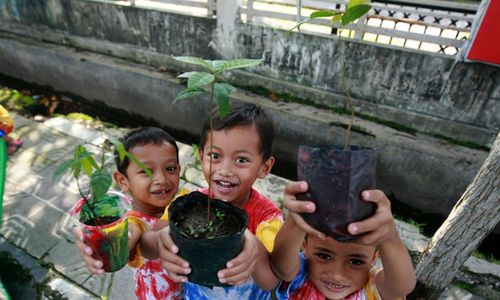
(485, 45)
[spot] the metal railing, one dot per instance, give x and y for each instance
(436, 26)
(179, 5)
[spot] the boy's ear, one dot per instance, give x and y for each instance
(304, 247)
(266, 167)
(121, 180)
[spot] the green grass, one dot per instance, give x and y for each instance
(490, 258)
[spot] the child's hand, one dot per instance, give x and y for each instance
(378, 228)
(240, 268)
(295, 206)
(92, 264)
(176, 267)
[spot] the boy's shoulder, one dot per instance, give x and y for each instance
(261, 204)
(262, 210)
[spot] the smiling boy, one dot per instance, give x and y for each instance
(234, 154)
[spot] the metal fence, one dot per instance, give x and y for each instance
(436, 26)
(203, 7)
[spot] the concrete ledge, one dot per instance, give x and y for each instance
(424, 172)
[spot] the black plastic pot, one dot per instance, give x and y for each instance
(206, 256)
(336, 178)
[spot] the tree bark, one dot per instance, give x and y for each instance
(470, 221)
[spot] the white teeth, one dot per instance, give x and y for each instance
(160, 192)
(225, 183)
(335, 285)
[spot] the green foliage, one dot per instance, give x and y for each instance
(15, 99)
(199, 82)
(355, 10)
(93, 167)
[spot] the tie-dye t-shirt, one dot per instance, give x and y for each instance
(264, 220)
(302, 288)
(151, 280)
(6, 123)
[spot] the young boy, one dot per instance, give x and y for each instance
(157, 150)
(240, 153)
(328, 269)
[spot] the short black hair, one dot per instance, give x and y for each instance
(243, 114)
(140, 137)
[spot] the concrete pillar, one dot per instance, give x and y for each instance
(227, 18)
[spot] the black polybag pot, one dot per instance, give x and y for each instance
(336, 178)
(206, 256)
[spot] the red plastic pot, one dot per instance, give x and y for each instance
(109, 242)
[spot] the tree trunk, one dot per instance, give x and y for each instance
(471, 220)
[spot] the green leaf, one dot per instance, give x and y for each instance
(322, 14)
(100, 182)
(187, 93)
(186, 74)
(353, 3)
(200, 79)
(354, 13)
(222, 91)
(119, 148)
(62, 168)
(195, 61)
(336, 18)
(87, 165)
(140, 164)
(216, 64)
(238, 64)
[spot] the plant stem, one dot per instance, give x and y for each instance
(212, 86)
(346, 91)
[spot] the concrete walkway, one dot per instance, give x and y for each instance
(37, 230)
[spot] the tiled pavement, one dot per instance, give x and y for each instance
(36, 227)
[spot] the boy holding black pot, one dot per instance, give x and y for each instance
(328, 269)
(240, 154)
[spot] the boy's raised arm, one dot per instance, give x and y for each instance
(285, 257)
(397, 279)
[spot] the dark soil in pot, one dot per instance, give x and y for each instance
(207, 246)
(336, 178)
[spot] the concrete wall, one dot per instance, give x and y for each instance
(74, 46)
(421, 90)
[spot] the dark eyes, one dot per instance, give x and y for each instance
(356, 262)
(171, 169)
(141, 171)
(242, 160)
(214, 155)
(323, 256)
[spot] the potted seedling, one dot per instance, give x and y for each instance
(100, 213)
(337, 175)
(197, 222)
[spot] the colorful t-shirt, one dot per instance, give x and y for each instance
(302, 288)
(151, 280)
(6, 123)
(264, 220)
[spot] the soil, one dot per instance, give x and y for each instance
(193, 223)
(101, 221)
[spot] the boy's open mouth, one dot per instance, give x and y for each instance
(224, 186)
(160, 192)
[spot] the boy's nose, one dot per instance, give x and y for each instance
(159, 177)
(337, 271)
(226, 167)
